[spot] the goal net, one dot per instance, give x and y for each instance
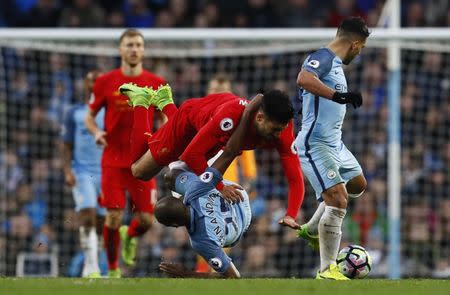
(41, 77)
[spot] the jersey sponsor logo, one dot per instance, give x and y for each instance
(206, 177)
(293, 148)
(215, 263)
(313, 63)
(331, 174)
(340, 87)
(226, 124)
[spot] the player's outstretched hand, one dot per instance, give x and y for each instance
(289, 221)
(232, 194)
(100, 138)
(353, 98)
(173, 269)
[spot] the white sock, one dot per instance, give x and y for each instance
(89, 245)
(330, 235)
(313, 223)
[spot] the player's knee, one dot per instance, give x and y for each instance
(145, 220)
(336, 196)
(87, 217)
(169, 179)
(113, 219)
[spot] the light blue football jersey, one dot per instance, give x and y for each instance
(86, 154)
(323, 118)
(214, 222)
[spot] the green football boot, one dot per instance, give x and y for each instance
(313, 240)
(129, 246)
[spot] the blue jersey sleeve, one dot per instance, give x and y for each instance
(319, 62)
(194, 186)
(213, 254)
(68, 128)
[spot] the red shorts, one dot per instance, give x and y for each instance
(169, 142)
(115, 181)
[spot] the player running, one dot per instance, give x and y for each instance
(212, 223)
(116, 159)
(82, 173)
(202, 127)
(330, 167)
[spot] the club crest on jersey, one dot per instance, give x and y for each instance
(331, 174)
(206, 177)
(313, 63)
(183, 179)
(226, 124)
(215, 263)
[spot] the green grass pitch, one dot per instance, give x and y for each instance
(60, 286)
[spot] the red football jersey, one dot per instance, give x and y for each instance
(119, 115)
(214, 118)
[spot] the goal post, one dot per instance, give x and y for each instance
(40, 75)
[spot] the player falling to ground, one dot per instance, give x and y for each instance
(242, 170)
(212, 223)
(83, 174)
(116, 160)
(330, 167)
(202, 127)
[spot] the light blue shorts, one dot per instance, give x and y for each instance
(326, 166)
(86, 191)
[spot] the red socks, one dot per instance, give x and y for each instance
(135, 229)
(139, 133)
(169, 110)
(111, 240)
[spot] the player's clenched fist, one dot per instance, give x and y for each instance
(100, 138)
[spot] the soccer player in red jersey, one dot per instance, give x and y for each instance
(116, 159)
(202, 127)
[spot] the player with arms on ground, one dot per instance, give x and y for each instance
(83, 174)
(330, 167)
(202, 127)
(116, 159)
(212, 223)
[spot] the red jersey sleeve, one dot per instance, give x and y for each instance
(98, 98)
(292, 170)
(213, 136)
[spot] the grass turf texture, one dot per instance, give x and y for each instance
(61, 286)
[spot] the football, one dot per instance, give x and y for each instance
(354, 262)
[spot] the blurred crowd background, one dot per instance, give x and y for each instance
(212, 13)
(37, 87)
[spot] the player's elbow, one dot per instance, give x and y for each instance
(302, 79)
(138, 172)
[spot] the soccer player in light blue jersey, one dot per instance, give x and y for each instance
(82, 173)
(330, 167)
(212, 222)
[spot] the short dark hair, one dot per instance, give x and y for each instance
(277, 106)
(130, 33)
(353, 25)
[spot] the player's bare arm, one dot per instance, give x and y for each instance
(234, 144)
(179, 271)
(91, 125)
(311, 83)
